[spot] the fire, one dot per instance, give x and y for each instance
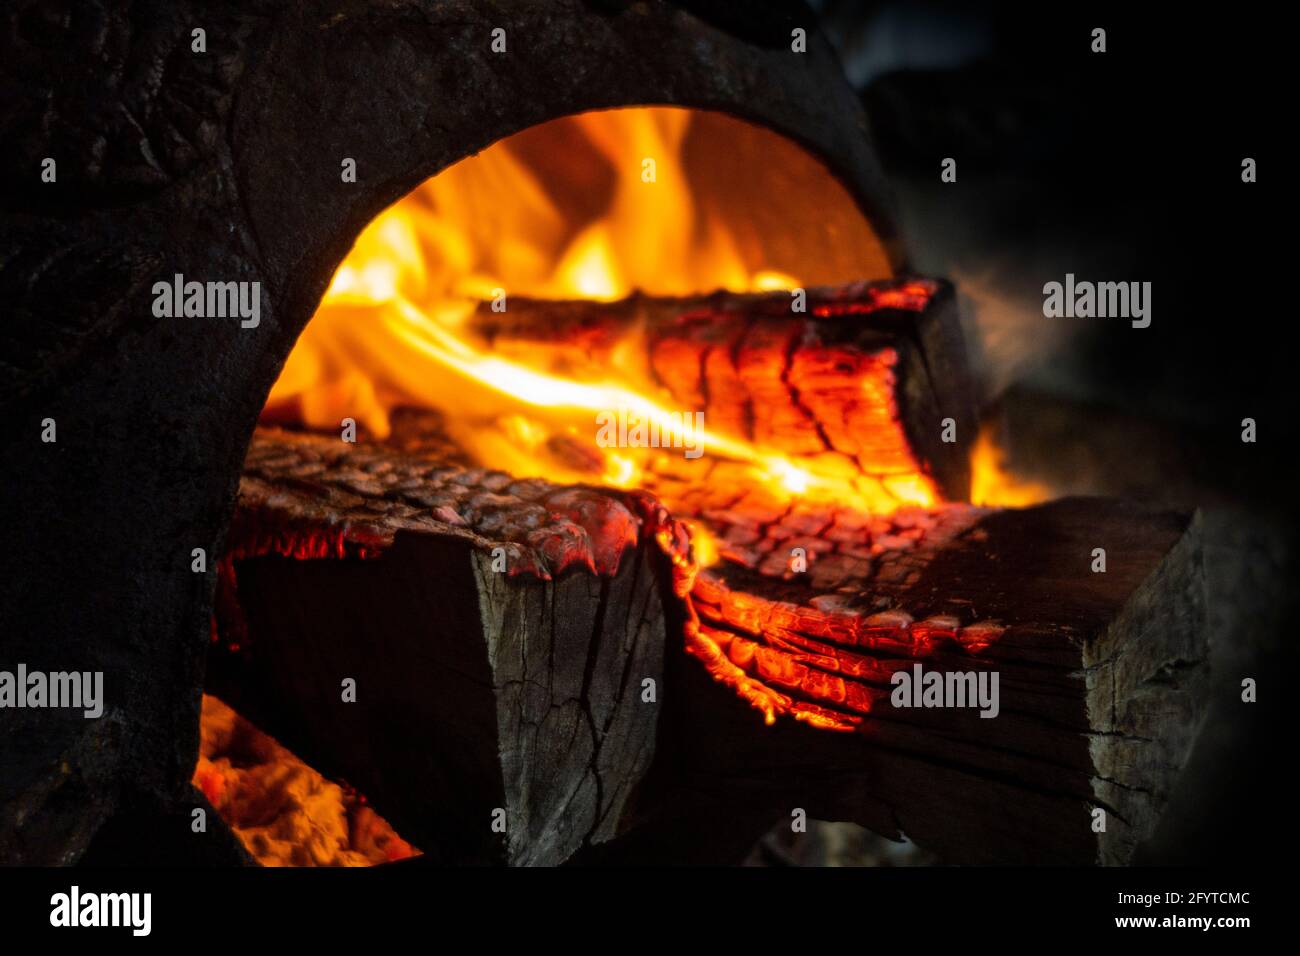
(993, 484)
(599, 207)
(703, 544)
(392, 328)
(283, 811)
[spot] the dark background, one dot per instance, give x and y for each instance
(1124, 166)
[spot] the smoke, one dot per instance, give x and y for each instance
(1007, 338)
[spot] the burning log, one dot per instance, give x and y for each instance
(451, 641)
(860, 379)
(522, 690)
(1100, 679)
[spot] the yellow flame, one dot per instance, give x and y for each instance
(993, 485)
(704, 545)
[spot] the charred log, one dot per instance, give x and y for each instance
(497, 634)
(863, 375)
(1102, 682)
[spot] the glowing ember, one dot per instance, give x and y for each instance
(284, 812)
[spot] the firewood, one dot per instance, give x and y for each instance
(1102, 682)
(498, 633)
(866, 376)
(528, 690)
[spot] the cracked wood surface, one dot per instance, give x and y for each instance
(477, 688)
(859, 383)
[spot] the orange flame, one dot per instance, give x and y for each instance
(993, 484)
